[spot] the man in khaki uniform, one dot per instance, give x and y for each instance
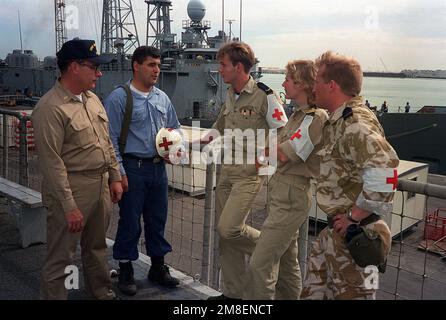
(356, 186)
(80, 172)
(246, 107)
(274, 270)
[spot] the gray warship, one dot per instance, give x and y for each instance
(190, 75)
(419, 136)
(189, 68)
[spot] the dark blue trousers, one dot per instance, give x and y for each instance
(147, 195)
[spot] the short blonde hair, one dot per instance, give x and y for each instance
(343, 70)
(303, 72)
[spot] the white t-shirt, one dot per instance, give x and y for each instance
(145, 94)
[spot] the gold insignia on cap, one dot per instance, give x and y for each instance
(93, 47)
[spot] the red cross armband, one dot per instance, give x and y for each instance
(380, 179)
(276, 116)
(300, 140)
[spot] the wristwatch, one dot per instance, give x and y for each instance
(349, 216)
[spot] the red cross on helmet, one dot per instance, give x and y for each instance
(168, 141)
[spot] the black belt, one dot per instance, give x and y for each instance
(155, 159)
(370, 219)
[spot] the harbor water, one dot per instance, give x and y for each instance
(395, 91)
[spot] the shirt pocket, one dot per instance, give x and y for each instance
(257, 121)
(102, 117)
(82, 133)
(326, 151)
(160, 116)
(139, 113)
(102, 124)
(247, 117)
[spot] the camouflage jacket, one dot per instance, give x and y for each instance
(358, 165)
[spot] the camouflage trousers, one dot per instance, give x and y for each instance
(332, 273)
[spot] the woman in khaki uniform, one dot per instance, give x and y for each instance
(274, 268)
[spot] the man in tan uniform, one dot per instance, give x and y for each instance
(274, 270)
(246, 107)
(80, 172)
(356, 186)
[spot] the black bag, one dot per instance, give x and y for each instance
(366, 247)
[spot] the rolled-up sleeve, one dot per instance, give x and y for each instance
(377, 162)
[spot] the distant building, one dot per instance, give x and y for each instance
(25, 59)
(273, 70)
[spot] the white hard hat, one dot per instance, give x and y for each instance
(168, 141)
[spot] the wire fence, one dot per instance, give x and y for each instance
(416, 267)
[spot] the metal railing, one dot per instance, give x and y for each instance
(413, 271)
(17, 147)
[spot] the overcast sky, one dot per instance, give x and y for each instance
(381, 34)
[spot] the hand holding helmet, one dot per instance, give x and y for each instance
(169, 145)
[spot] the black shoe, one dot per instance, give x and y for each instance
(161, 275)
(126, 282)
(222, 297)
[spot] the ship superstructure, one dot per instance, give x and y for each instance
(189, 70)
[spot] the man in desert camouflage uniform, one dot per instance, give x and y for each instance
(356, 185)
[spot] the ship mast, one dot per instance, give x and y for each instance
(119, 33)
(241, 16)
(20, 31)
(231, 34)
(223, 16)
(158, 23)
(61, 34)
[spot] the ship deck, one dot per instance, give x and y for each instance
(411, 273)
(20, 273)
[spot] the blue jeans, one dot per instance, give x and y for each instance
(147, 195)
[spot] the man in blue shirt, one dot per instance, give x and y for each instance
(143, 172)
